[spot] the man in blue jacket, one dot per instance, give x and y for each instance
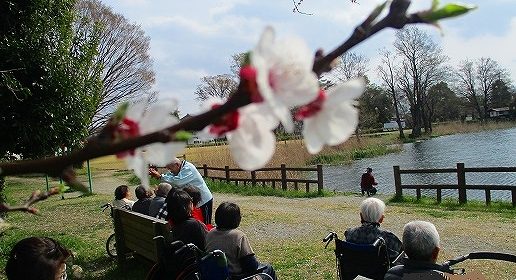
(182, 173)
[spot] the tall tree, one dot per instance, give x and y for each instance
(421, 66)
(222, 85)
(386, 71)
(476, 81)
(349, 65)
(501, 95)
(123, 56)
(375, 107)
(443, 103)
(47, 78)
(218, 86)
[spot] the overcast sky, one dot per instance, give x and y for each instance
(196, 38)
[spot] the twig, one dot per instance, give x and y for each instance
(36, 196)
(296, 8)
(102, 145)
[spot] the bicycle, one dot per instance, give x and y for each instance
(111, 241)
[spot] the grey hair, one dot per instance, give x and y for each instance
(163, 189)
(420, 238)
(372, 210)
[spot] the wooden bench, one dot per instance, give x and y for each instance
(134, 233)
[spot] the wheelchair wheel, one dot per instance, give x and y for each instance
(111, 246)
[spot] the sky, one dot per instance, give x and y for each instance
(196, 38)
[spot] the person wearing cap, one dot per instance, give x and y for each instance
(367, 182)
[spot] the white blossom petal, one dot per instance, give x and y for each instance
(159, 116)
(252, 144)
(337, 119)
(284, 74)
(139, 166)
(161, 154)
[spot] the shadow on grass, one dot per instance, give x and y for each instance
(108, 268)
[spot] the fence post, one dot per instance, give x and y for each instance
(319, 179)
(205, 170)
(397, 181)
(461, 182)
(226, 168)
(89, 176)
(513, 192)
(46, 180)
(253, 178)
(283, 177)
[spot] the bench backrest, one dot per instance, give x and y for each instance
(134, 232)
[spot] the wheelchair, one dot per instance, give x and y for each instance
(187, 262)
(352, 260)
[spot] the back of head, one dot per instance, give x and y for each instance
(141, 192)
(420, 239)
(121, 192)
(36, 258)
(163, 189)
(372, 209)
(194, 193)
(227, 216)
(179, 206)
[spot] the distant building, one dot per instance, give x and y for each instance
(198, 137)
(503, 112)
(392, 125)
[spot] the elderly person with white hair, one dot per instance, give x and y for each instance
(371, 216)
(158, 200)
(181, 174)
(421, 247)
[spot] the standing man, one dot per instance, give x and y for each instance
(182, 174)
(367, 182)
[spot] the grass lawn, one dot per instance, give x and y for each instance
(286, 232)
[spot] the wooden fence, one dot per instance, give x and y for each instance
(461, 185)
(254, 180)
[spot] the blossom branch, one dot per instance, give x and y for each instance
(396, 18)
(35, 197)
(102, 145)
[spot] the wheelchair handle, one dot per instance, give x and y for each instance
(332, 235)
(189, 246)
(105, 206)
(446, 266)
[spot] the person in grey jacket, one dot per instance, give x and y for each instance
(421, 245)
(158, 200)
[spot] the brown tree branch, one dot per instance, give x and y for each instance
(36, 196)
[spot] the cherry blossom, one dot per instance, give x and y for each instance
(331, 118)
(253, 143)
(141, 120)
(284, 74)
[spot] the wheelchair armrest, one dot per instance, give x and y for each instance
(246, 275)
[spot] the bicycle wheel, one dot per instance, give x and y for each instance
(111, 246)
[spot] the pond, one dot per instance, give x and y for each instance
(492, 148)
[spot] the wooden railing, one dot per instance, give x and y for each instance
(461, 185)
(250, 177)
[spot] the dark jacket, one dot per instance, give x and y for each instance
(142, 206)
(367, 181)
(412, 270)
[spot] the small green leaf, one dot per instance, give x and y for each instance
(376, 12)
(448, 11)
(247, 59)
(120, 112)
(62, 188)
(183, 135)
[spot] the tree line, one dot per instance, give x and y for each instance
(416, 85)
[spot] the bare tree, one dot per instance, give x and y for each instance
(350, 65)
(387, 75)
(218, 86)
(422, 65)
(123, 56)
(476, 81)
